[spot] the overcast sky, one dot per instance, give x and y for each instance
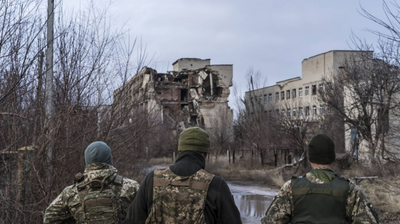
(270, 36)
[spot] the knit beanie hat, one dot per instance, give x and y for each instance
(98, 152)
(195, 139)
(321, 150)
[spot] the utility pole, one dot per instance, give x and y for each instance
(49, 84)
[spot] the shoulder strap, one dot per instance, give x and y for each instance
(78, 177)
(119, 180)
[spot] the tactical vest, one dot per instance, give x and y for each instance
(99, 202)
(319, 203)
(179, 199)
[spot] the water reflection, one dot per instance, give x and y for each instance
(252, 205)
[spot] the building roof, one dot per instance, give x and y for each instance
(190, 59)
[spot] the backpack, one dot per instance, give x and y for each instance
(99, 202)
(178, 199)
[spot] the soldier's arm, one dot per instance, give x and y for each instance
(280, 210)
(128, 192)
(227, 210)
(58, 211)
(358, 209)
(140, 207)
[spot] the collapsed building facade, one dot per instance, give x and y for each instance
(195, 93)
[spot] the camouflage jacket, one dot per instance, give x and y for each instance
(67, 205)
(358, 210)
(179, 199)
(219, 208)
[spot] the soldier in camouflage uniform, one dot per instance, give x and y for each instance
(321, 196)
(185, 192)
(99, 195)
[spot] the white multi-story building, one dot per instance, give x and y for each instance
(298, 98)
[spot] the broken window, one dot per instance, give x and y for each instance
(218, 91)
(307, 112)
(265, 98)
(209, 86)
(282, 95)
(184, 95)
(193, 120)
(314, 89)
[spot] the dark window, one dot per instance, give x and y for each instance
(314, 89)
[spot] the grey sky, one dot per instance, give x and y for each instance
(271, 36)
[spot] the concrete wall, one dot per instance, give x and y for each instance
(190, 64)
(225, 74)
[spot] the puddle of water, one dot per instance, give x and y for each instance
(252, 207)
(252, 200)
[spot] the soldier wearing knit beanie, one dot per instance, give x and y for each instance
(320, 196)
(321, 150)
(194, 139)
(184, 192)
(98, 152)
(99, 190)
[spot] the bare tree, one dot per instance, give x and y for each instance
(251, 122)
(87, 72)
(221, 130)
(363, 93)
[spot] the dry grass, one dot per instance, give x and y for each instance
(244, 172)
(160, 161)
(384, 192)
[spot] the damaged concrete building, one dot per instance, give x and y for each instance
(195, 93)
